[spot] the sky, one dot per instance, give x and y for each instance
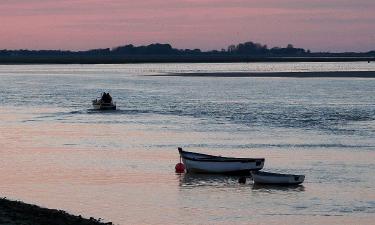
(318, 25)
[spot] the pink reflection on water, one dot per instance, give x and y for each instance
(82, 169)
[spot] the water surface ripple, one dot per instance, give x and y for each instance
(119, 165)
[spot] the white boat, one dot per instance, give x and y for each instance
(261, 177)
(202, 163)
(101, 105)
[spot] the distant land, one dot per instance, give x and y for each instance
(163, 53)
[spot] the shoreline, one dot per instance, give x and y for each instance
(129, 59)
(332, 74)
(17, 212)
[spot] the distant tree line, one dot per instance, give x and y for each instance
(165, 52)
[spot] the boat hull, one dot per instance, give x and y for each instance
(202, 163)
(261, 177)
(103, 106)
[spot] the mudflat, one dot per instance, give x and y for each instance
(359, 74)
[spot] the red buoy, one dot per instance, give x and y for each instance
(180, 167)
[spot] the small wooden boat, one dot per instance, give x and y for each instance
(202, 163)
(101, 105)
(261, 177)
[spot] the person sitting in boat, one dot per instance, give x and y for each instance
(103, 97)
(106, 98)
(109, 98)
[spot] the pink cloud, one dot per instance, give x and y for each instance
(335, 25)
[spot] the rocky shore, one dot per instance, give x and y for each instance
(19, 213)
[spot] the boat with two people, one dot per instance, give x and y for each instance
(104, 103)
(203, 163)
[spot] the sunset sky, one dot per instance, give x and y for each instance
(319, 25)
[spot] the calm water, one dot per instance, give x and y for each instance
(57, 152)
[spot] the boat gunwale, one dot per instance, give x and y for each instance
(212, 158)
(268, 174)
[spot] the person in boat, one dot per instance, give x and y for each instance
(109, 98)
(103, 97)
(106, 98)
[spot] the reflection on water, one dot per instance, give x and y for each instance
(198, 180)
(119, 165)
(276, 188)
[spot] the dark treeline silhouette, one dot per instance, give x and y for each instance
(243, 52)
(259, 49)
